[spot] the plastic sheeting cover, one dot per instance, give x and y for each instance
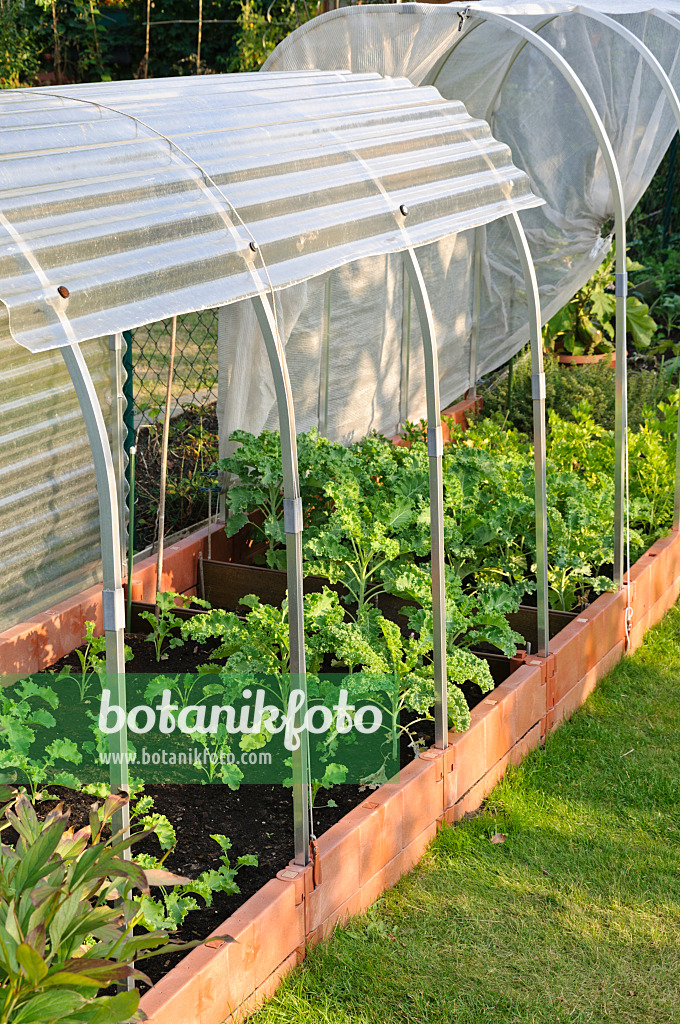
(49, 513)
(123, 203)
(532, 108)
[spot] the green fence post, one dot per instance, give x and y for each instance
(129, 414)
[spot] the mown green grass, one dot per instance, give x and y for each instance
(576, 917)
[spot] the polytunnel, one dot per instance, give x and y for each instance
(129, 202)
(586, 97)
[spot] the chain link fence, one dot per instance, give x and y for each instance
(193, 444)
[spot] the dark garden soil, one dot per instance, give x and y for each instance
(257, 818)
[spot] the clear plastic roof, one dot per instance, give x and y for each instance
(529, 104)
(124, 203)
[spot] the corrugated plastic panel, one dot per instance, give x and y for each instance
(49, 516)
(141, 199)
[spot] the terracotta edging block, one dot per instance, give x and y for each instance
(376, 832)
(422, 785)
(496, 724)
(210, 984)
(267, 989)
(571, 654)
(605, 617)
(473, 799)
(577, 696)
(396, 868)
(639, 581)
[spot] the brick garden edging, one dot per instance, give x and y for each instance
(385, 836)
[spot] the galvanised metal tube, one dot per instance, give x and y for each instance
(112, 597)
(293, 528)
(479, 236)
(435, 449)
(611, 165)
(622, 285)
(538, 401)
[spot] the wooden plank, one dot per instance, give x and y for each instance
(227, 582)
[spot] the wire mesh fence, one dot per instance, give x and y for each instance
(195, 369)
(193, 444)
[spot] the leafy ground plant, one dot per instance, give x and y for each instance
(165, 622)
(169, 910)
(26, 757)
(62, 937)
(92, 661)
(254, 493)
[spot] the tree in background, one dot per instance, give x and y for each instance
(45, 42)
(19, 46)
(260, 30)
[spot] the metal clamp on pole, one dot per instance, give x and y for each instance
(113, 609)
(435, 441)
(538, 386)
(621, 290)
(292, 515)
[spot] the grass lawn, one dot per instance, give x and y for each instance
(575, 917)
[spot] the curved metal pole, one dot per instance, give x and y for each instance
(538, 397)
(672, 97)
(609, 158)
(435, 450)
(674, 23)
(292, 516)
(112, 597)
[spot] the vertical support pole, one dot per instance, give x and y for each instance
(538, 397)
(435, 449)
(620, 406)
(324, 367)
(164, 459)
(670, 191)
(405, 349)
(292, 510)
(611, 165)
(112, 597)
(118, 436)
(479, 236)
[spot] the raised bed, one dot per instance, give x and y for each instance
(382, 838)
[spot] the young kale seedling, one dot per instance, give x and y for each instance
(169, 911)
(92, 660)
(164, 621)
